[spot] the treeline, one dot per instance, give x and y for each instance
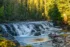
(21, 10)
(32, 10)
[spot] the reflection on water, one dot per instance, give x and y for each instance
(40, 40)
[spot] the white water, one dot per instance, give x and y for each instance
(24, 32)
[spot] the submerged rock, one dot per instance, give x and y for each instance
(37, 34)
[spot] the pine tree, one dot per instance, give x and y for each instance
(55, 15)
(1, 3)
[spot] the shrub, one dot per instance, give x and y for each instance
(28, 46)
(55, 15)
(6, 43)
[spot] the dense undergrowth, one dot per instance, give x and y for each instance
(6, 43)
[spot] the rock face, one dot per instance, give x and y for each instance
(37, 33)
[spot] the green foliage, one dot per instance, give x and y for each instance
(64, 8)
(54, 14)
(1, 3)
(2, 11)
(6, 43)
(28, 46)
(21, 10)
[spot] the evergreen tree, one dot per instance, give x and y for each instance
(1, 3)
(55, 15)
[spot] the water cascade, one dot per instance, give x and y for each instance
(29, 32)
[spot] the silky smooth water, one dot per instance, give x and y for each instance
(26, 32)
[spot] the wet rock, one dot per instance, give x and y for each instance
(17, 43)
(68, 28)
(14, 33)
(11, 30)
(42, 32)
(7, 36)
(37, 34)
(0, 29)
(37, 27)
(33, 31)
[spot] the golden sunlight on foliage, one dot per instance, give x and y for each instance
(64, 8)
(38, 5)
(34, 9)
(44, 5)
(65, 18)
(6, 43)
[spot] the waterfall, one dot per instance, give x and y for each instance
(27, 32)
(27, 28)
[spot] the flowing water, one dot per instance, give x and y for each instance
(30, 32)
